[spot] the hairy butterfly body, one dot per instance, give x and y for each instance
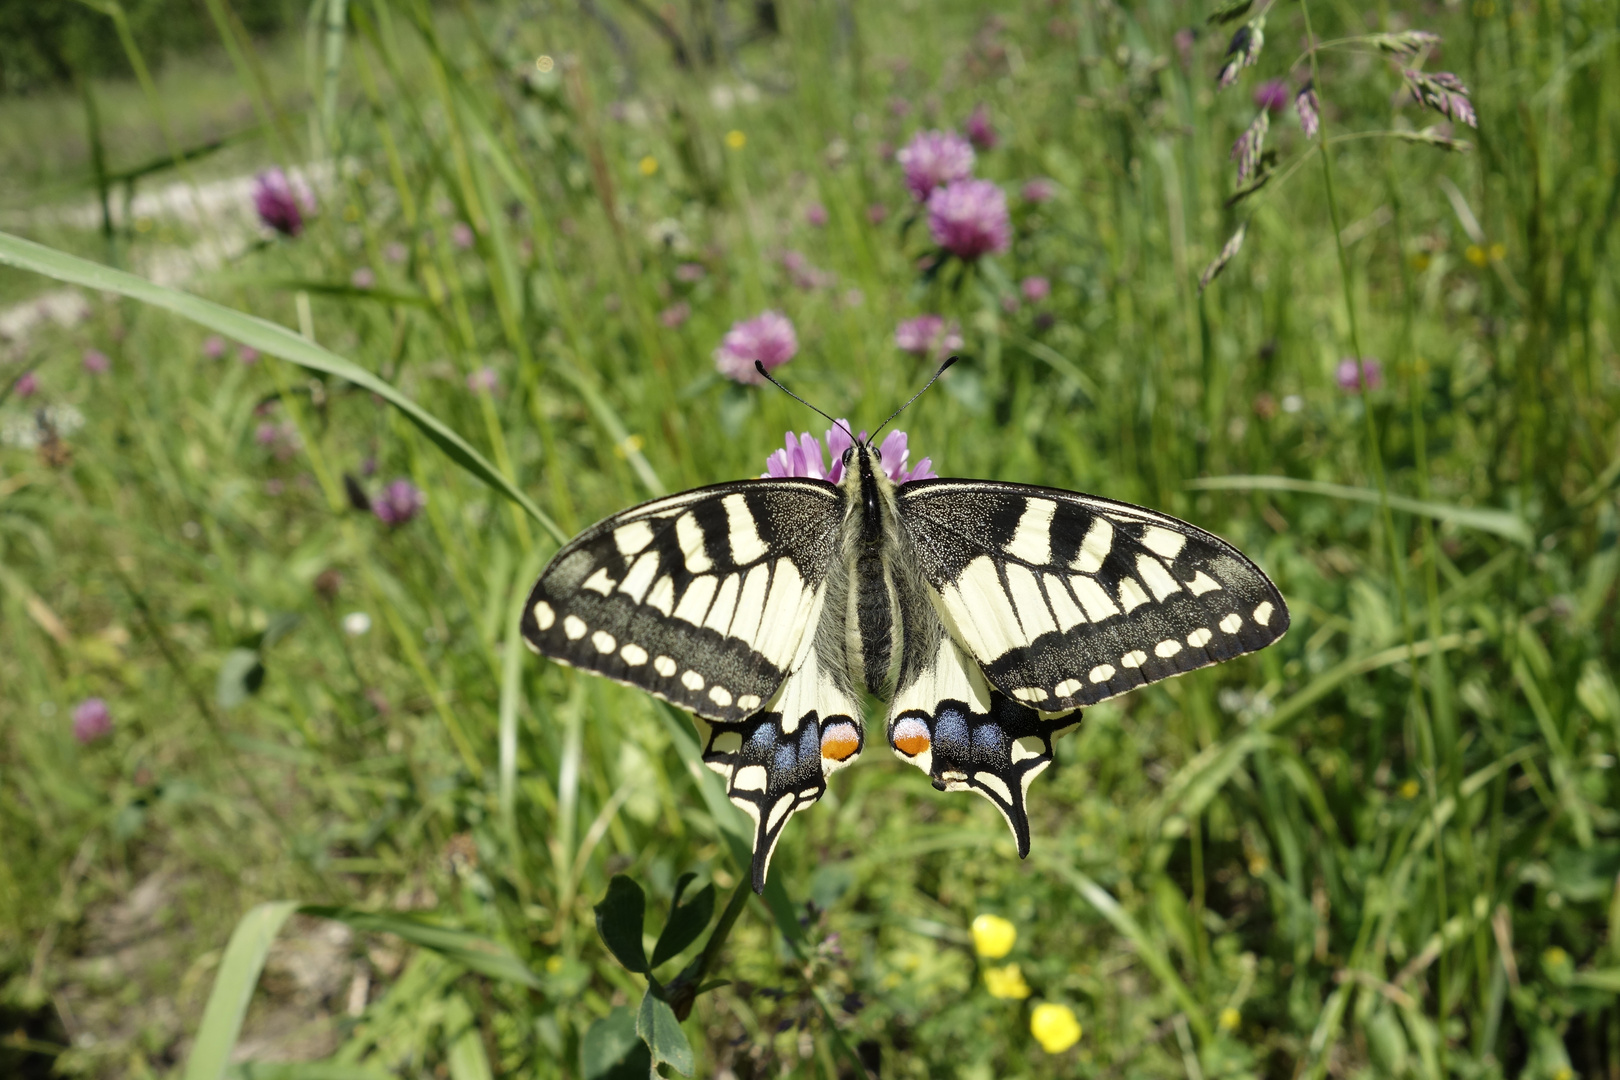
(987, 615)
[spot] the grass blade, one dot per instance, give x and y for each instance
(1503, 523)
(1099, 898)
(267, 337)
(233, 988)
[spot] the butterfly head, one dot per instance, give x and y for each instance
(868, 488)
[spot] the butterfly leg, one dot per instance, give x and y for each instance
(776, 762)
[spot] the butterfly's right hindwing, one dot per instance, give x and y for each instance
(703, 599)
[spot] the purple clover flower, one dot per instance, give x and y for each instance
(877, 213)
(816, 215)
(768, 337)
(213, 346)
(280, 439)
(1035, 289)
(96, 362)
(933, 159)
(396, 252)
(461, 235)
(928, 335)
(675, 316)
(27, 386)
(1352, 377)
(398, 503)
(980, 132)
(281, 202)
(92, 720)
(248, 355)
(1039, 190)
(483, 381)
(968, 218)
(801, 456)
(805, 275)
(1272, 95)
(363, 278)
(689, 272)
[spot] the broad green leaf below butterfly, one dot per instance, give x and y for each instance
(986, 614)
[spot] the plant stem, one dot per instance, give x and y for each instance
(1397, 567)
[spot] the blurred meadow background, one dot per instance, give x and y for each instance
(259, 580)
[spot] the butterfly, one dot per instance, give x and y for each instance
(986, 614)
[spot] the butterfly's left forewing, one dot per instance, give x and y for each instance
(702, 598)
(1067, 599)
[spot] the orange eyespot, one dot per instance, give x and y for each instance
(839, 741)
(910, 737)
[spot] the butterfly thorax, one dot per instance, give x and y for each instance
(870, 542)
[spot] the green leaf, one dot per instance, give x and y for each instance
(658, 1028)
(466, 1058)
(1607, 979)
(471, 951)
(303, 1070)
(233, 988)
(1232, 9)
(611, 1049)
(267, 337)
(1501, 522)
(686, 921)
(279, 627)
(620, 918)
(240, 677)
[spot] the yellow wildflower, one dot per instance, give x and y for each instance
(736, 140)
(993, 936)
(1419, 261)
(1006, 982)
(554, 964)
(1054, 1027)
(1564, 1072)
(648, 165)
(1409, 789)
(1555, 957)
(1229, 1019)
(1498, 252)
(1476, 255)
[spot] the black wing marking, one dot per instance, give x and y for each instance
(701, 598)
(1067, 599)
(776, 762)
(966, 735)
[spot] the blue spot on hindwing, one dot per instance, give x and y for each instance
(951, 729)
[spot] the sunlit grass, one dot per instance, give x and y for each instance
(1386, 846)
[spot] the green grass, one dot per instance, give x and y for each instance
(1386, 846)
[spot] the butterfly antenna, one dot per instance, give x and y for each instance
(759, 366)
(914, 397)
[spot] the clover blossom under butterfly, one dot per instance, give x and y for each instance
(933, 159)
(801, 456)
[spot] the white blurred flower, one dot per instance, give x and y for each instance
(356, 623)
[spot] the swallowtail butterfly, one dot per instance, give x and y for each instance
(986, 614)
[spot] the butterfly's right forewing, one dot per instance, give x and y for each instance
(704, 599)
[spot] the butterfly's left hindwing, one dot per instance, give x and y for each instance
(702, 598)
(1067, 599)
